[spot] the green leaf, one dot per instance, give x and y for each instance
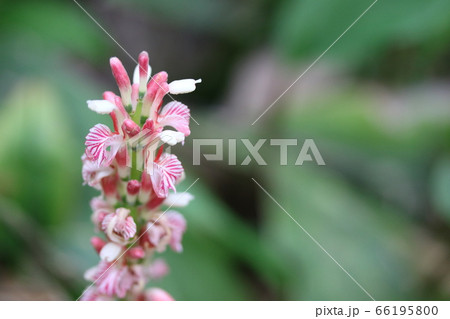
(39, 164)
(308, 27)
(372, 242)
(440, 187)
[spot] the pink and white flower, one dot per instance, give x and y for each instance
(165, 229)
(99, 139)
(156, 234)
(110, 251)
(176, 115)
(158, 294)
(92, 173)
(167, 170)
(112, 279)
(119, 226)
(134, 172)
(177, 225)
(98, 203)
(157, 269)
(92, 294)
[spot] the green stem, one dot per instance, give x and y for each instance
(137, 115)
(135, 173)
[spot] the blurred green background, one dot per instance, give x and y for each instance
(377, 106)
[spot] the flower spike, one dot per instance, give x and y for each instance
(134, 172)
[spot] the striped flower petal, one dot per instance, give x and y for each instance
(99, 139)
(166, 171)
(177, 115)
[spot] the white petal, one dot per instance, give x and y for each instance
(89, 275)
(183, 86)
(182, 178)
(136, 74)
(110, 252)
(101, 106)
(178, 199)
(171, 137)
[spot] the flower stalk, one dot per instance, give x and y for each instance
(137, 179)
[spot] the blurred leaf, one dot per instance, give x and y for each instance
(371, 241)
(440, 187)
(38, 164)
(56, 26)
(358, 137)
(308, 27)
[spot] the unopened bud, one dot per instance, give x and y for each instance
(97, 243)
(155, 84)
(110, 252)
(136, 253)
(130, 128)
(133, 188)
(122, 79)
(144, 71)
(183, 86)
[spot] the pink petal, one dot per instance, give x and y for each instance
(122, 79)
(157, 294)
(134, 95)
(130, 128)
(136, 253)
(177, 224)
(165, 173)
(97, 243)
(158, 269)
(118, 226)
(158, 83)
(116, 281)
(177, 115)
(98, 140)
(93, 174)
(143, 71)
(157, 102)
(98, 203)
(157, 236)
(155, 84)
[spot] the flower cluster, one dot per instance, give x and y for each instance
(137, 178)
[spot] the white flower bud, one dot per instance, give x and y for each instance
(101, 106)
(136, 74)
(110, 252)
(178, 199)
(183, 86)
(171, 137)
